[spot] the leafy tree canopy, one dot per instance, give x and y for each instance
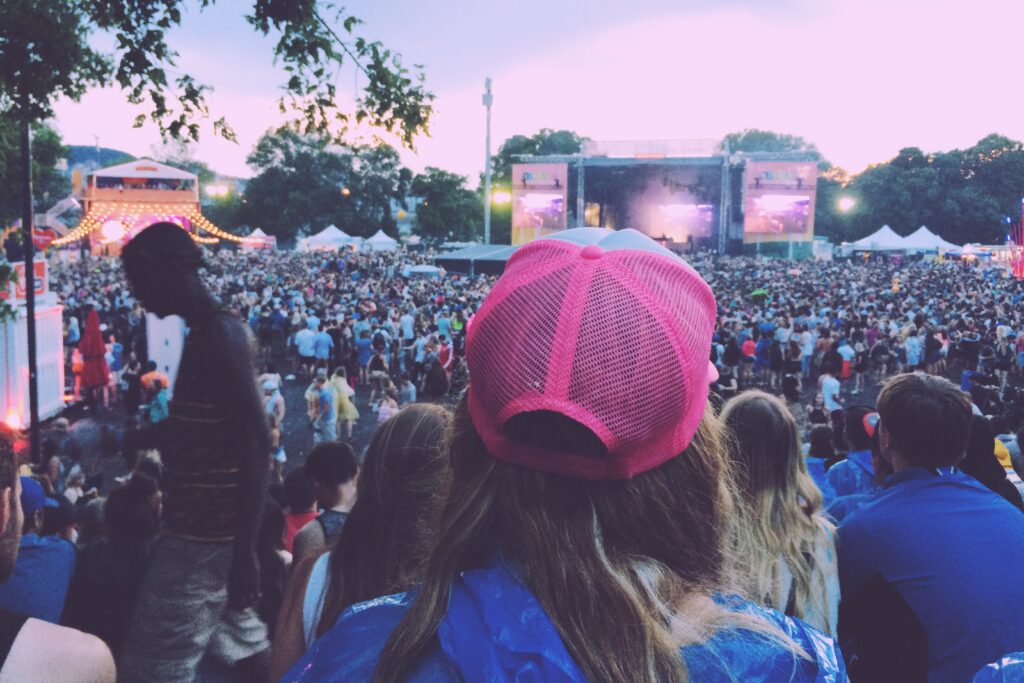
(305, 182)
(544, 141)
(448, 210)
(45, 53)
(752, 140)
(49, 183)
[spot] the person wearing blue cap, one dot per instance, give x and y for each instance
(39, 584)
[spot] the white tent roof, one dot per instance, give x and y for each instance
(380, 237)
(925, 239)
(144, 168)
(882, 239)
(330, 234)
(257, 233)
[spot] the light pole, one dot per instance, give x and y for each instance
(488, 99)
(30, 288)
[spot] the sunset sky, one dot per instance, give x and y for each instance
(860, 78)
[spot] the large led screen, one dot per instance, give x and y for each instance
(539, 197)
(778, 201)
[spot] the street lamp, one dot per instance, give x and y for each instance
(846, 204)
(488, 99)
(501, 197)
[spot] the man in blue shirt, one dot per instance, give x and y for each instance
(42, 574)
(325, 419)
(930, 567)
(322, 346)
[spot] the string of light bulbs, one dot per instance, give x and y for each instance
(101, 213)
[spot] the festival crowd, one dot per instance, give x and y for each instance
(605, 465)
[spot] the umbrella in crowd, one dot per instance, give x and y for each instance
(94, 370)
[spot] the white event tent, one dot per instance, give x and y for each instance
(257, 239)
(329, 238)
(924, 239)
(883, 239)
(380, 242)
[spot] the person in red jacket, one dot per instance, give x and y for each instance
(444, 355)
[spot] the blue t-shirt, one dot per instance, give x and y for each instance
(444, 327)
(950, 552)
(364, 347)
(42, 574)
(913, 349)
(305, 341)
(322, 346)
(117, 356)
(495, 630)
(325, 399)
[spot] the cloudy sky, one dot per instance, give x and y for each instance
(860, 78)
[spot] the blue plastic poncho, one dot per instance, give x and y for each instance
(1009, 669)
(496, 630)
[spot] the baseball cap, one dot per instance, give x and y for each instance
(870, 422)
(607, 328)
(33, 497)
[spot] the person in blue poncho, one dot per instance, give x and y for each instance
(585, 533)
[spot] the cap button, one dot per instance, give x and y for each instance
(592, 251)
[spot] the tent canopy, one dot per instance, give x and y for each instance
(924, 239)
(330, 233)
(882, 239)
(330, 237)
(423, 270)
(381, 242)
(144, 168)
(482, 259)
(257, 233)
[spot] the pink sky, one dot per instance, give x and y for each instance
(860, 79)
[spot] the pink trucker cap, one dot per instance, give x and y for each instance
(607, 328)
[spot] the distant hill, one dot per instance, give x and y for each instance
(88, 158)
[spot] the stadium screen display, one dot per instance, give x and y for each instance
(539, 197)
(778, 202)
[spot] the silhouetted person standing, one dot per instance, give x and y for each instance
(202, 582)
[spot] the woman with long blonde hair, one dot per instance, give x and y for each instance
(784, 542)
(585, 533)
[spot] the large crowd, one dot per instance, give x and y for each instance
(605, 465)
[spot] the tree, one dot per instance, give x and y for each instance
(299, 185)
(829, 221)
(45, 53)
(961, 195)
(178, 154)
(544, 141)
(305, 183)
(448, 211)
(50, 184)
(752, 140)
(378, 180)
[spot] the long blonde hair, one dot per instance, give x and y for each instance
(624, 569)
(780, 506)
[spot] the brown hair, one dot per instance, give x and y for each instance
(382, 545)
(622, 568)
(781, 511)
(927, 418)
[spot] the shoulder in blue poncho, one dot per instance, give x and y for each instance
(496, 630)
